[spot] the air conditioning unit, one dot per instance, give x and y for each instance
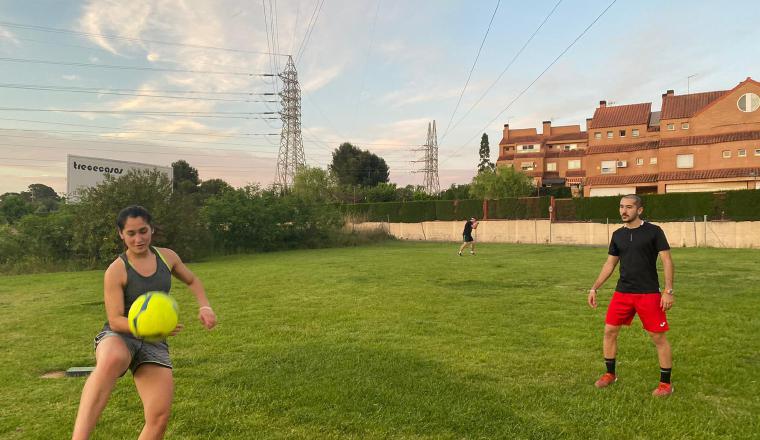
(622, 163)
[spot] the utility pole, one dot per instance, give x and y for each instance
(430, 160)
(290, 157)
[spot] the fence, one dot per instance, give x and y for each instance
(731, 205)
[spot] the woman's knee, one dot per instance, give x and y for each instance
(158, 417)
(113, 361)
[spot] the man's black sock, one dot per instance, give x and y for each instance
(665, 375)
(610, 363)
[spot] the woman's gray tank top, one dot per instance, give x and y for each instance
(137, 284)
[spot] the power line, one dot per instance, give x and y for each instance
(511, 62)
(536, 79)
(125, 38)
(309, 30)
(122, 130)
(223, 115)
(105, 89)
(99, 92)
(141, 68)
(472, 69)
(119, 140)
(181, 154)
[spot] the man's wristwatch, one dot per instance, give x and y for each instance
(669, 291)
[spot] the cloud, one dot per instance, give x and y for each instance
(7, 36)
(413, 95)
(70, 77)
(153, 56)
(321, 78)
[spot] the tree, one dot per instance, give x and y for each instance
(213, 187)
(353, 166)
(13, 206)
(456, 192)
(185, 178)
(504, 182)
(314, 183)
(485, 155)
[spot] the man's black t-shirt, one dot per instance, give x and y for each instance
(467, 228)
(638, 249)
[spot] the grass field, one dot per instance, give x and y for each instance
(403, 340)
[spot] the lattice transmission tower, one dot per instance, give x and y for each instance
(290, 158)
(430, 161)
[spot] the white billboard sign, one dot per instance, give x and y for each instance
(87, 172)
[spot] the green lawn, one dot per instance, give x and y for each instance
(403, 340)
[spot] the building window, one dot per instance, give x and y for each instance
(609, 135)
(757, 151)
(726, 154)
(742, 153)
(622, 133)
(527, 148)
(527, 166)
(597, 135)
(635, 132)
(551, 166)
(671, 127)
(574, 164)
(571, 147)
(684, 161)
(608, 166)
(652, 161)
(639, 161)
(748, 102)
(684, 125)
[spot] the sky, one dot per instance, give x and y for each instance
(159, 81)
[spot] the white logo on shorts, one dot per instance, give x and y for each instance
(662, 324)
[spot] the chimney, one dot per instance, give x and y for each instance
(588, 123)
(668, 93)
(506, 131)
(602, 104)
(547, 128)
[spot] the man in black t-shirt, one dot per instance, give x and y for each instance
(467, 239)
(636, 246)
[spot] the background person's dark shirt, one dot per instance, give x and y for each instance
(638, 249)
(467, 228)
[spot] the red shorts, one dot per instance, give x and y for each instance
(647, 305)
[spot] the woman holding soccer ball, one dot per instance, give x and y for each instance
(141, 269)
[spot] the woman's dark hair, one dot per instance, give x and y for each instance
(133, 211)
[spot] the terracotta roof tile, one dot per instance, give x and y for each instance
(621, 180)
(568, 137)
(724, 173)
(598, 149)
(619, 115)
(685, 106)
(713, 139)
(525, 139)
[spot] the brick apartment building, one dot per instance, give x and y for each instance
(697, 142)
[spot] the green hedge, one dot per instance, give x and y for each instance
(741, 205)
(523, 208)
(731, 205)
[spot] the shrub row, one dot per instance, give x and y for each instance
(732, 205)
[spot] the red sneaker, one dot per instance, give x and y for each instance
(606, 380)
(663, 390)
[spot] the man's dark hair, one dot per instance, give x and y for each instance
(635, 198)
(133, 211)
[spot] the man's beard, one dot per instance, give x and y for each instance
(632, 218)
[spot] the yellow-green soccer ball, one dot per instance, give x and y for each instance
(153, 316)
